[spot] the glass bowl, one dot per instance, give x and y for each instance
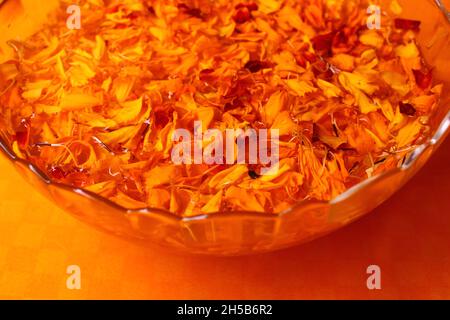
(240, 233)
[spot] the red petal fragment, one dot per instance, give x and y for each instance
(113, 9)
(23, 134)
(406, 24)
(344, 40)
(252, 6)
(195, 12)
(162, 117)
(254, 66)
(423, 79)
(311, 57)
(206, 75)
(57, 173)
(407, 109)
(242, 15)
(307, 129)
(323, 42)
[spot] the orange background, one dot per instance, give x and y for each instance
(408, 237)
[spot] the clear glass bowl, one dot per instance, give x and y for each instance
(240, 233)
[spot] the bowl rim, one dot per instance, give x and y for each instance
(416, 152)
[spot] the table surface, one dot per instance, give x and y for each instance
(408, 237)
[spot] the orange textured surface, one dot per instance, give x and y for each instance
(408, 237)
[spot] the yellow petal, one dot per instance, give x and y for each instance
(158, 198)
(214, 204)
(284, 124)
(397, 81)
(129, 111)
(351, 81)
(105, 188)
(121, 135)
(76, 101)
(300, 87)
(100, 48)
(228, 176)
(122, 87)
(269, 6)
(245, 200)
(329, 89)
(161, 175)
(372, 38)
(273, 107)
(395, 7)
(408, 51)
(127, 202)
(408, 133)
